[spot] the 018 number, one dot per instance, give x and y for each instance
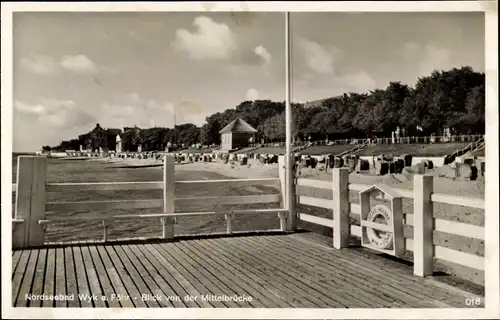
(472, 301)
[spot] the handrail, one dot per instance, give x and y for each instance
(469, 148)
(96, 184)
(157, 202)
(159, 215)
(142, 185)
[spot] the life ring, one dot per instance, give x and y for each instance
(380, 239)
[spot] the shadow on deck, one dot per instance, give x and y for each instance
(261, 271)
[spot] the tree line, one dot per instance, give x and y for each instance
(453, 99)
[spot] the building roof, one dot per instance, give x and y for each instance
(238, 125)
(114, 131)
(97, 128)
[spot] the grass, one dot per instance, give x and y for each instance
(323, 150)
(479, 153)
(416, 150)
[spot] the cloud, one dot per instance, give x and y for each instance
(147, 114)
(79, 64)
(262, 52)
(318, 58)
(310, 87)
(54, 114)
(360, 81)
(43, 64)
(428, 57)
(33, 110)
(40, 64)
(186, 106)
(252, 95)
(143, 112)
(133, 98)
(210, 41)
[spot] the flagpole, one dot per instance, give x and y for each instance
(289, 180)
(174, 117)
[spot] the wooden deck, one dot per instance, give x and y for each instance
(276, 271)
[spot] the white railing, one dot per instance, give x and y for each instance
(422, 220)
(31, 208)
(30, 219)
(385, 140)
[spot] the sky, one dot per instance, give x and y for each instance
(73, 70)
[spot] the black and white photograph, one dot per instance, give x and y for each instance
(249, 159)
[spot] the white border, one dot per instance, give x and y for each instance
(492, 309)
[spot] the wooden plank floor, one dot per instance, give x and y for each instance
(280, 271)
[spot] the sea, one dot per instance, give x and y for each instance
(94, 170)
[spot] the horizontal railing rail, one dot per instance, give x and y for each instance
(471, 202)
(158, 215)
(142, 185)
(157, 203)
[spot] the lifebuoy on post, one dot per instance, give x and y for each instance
(380, 239)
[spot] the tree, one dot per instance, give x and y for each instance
(209, 133)
(131, 139)
(274, 128)
(387, 114)
(205, 134)
(453, 99)
(152, 138)
(366, 117)
(188, 134)
(305, 116)
(473, 120)
(440, 99)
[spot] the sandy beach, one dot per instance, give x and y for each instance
(255, 169)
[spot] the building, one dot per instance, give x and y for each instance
(99, 139)
(237, 134)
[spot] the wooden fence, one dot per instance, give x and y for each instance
(422, 220)
(29, 219)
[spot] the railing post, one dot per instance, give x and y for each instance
(30, 202)
(282, 216)
(104, 231)
(168, 196)
(292, 213)
(230, 219)
(282, 176)
(423, 225)
(341, 227)
(288, 203)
